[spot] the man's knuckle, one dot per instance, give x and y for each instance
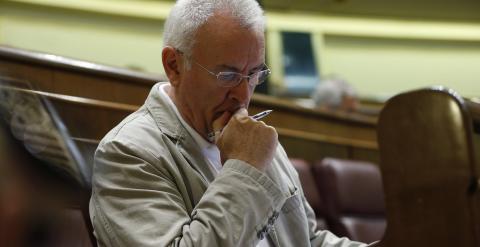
(271, 129)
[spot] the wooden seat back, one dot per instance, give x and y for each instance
(429, 171)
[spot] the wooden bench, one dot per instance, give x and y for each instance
(104, 95)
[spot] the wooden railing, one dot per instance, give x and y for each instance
(92, 98)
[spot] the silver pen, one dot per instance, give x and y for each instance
(261, 115)
(258, 116)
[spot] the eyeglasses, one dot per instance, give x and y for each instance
(232, 79)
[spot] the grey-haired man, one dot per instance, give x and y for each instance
(160, 181)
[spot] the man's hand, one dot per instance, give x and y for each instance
(246, 139)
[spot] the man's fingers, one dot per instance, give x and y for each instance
(241, 112)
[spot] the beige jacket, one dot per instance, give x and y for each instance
(153, 187)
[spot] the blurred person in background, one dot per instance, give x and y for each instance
(335, 94)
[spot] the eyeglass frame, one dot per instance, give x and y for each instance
(241, 76)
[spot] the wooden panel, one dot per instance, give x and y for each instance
(92, 119)
(87, 120)
(311, 150)
(371, 155)
(429, 173)
(76, 83)
(317, 122)
(41, 77)
(336, 134)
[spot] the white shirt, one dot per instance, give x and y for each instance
(209, 150)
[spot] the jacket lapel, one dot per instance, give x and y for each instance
(168, 122)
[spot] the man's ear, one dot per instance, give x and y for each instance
(172, 65)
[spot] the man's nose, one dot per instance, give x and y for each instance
(242, 91)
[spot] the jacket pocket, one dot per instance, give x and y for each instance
(294, 202)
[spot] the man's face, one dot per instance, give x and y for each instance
(221, 45)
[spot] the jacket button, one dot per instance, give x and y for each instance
(274, 217)
(269, 227)
(271, 221)
(261, 233)
(276, 214)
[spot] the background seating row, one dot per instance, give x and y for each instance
(346, 195)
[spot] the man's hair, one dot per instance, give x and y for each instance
(187, 16)
(330, 93)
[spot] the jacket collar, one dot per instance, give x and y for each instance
(164, 115)
(168, 122)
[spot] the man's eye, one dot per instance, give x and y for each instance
(227, 76)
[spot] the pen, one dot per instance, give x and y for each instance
(261, 115)
(258, 116)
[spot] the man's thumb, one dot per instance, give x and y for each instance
(241, 112)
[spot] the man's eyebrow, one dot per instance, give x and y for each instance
(225, 67)
(258, 68)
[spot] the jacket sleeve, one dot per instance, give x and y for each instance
(135, 203)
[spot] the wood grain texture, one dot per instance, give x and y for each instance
(103, 96)
(430, 174)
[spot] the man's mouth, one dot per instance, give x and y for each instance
(217, 115)
(229, 110)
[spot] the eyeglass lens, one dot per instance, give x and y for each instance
(233, 78)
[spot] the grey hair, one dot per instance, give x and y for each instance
(330, 93)
(187, 16)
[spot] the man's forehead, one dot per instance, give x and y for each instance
(228, 46)
(223, 24)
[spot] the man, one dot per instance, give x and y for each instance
(159, 180)
(335, 94)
